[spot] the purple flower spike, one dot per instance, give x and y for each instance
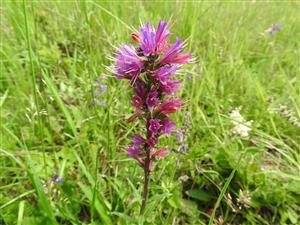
(151, 67)
(154, 126)
(128, 63)
(167, 126)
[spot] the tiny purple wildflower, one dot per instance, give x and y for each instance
(57, 179)
(183, 148)
(96, 93)
(277, 27)
(180, 136)
(103, 88)
(273, 29)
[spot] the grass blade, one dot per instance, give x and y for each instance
(224, 189)
(100, 208)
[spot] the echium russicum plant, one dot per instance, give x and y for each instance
(150, 66)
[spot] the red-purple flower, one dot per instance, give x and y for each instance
(152, 98)
(169, 106)
(174, 54)
(153, 42)
(161, 36)
(164, 73)
(151, 142)
(154, 126)
(170, 86)
(147, 41)
(133, 151)
(128, 63)
(140, 88)
(137, 102)
(160, 153)
(167, 126)
(138, 140)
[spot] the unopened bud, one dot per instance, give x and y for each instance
(135, 37)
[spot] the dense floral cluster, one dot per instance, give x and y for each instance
(151, 69)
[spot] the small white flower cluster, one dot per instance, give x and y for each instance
(240, 126)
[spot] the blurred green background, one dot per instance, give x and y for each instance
(53, 58)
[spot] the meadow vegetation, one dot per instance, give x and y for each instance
(64, 117)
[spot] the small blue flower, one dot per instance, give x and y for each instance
(103, 103)
(103, 88)
(180, 136)
(273, 29)
(96, 93)
(272, 32)
(277, 27)
(57, 179)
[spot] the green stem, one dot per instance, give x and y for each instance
(146, 182)
(33, 81)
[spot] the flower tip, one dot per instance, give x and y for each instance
(135, 37)
(161, 153)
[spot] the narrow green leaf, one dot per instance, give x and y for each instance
(199, 194)
(59, 101)
(101, 209)
(43, 202)
(224, 189)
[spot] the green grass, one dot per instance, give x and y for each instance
(52, 52)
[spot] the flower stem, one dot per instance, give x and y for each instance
(146, 182)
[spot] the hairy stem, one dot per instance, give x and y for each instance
(146, 167)
(146, 182)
